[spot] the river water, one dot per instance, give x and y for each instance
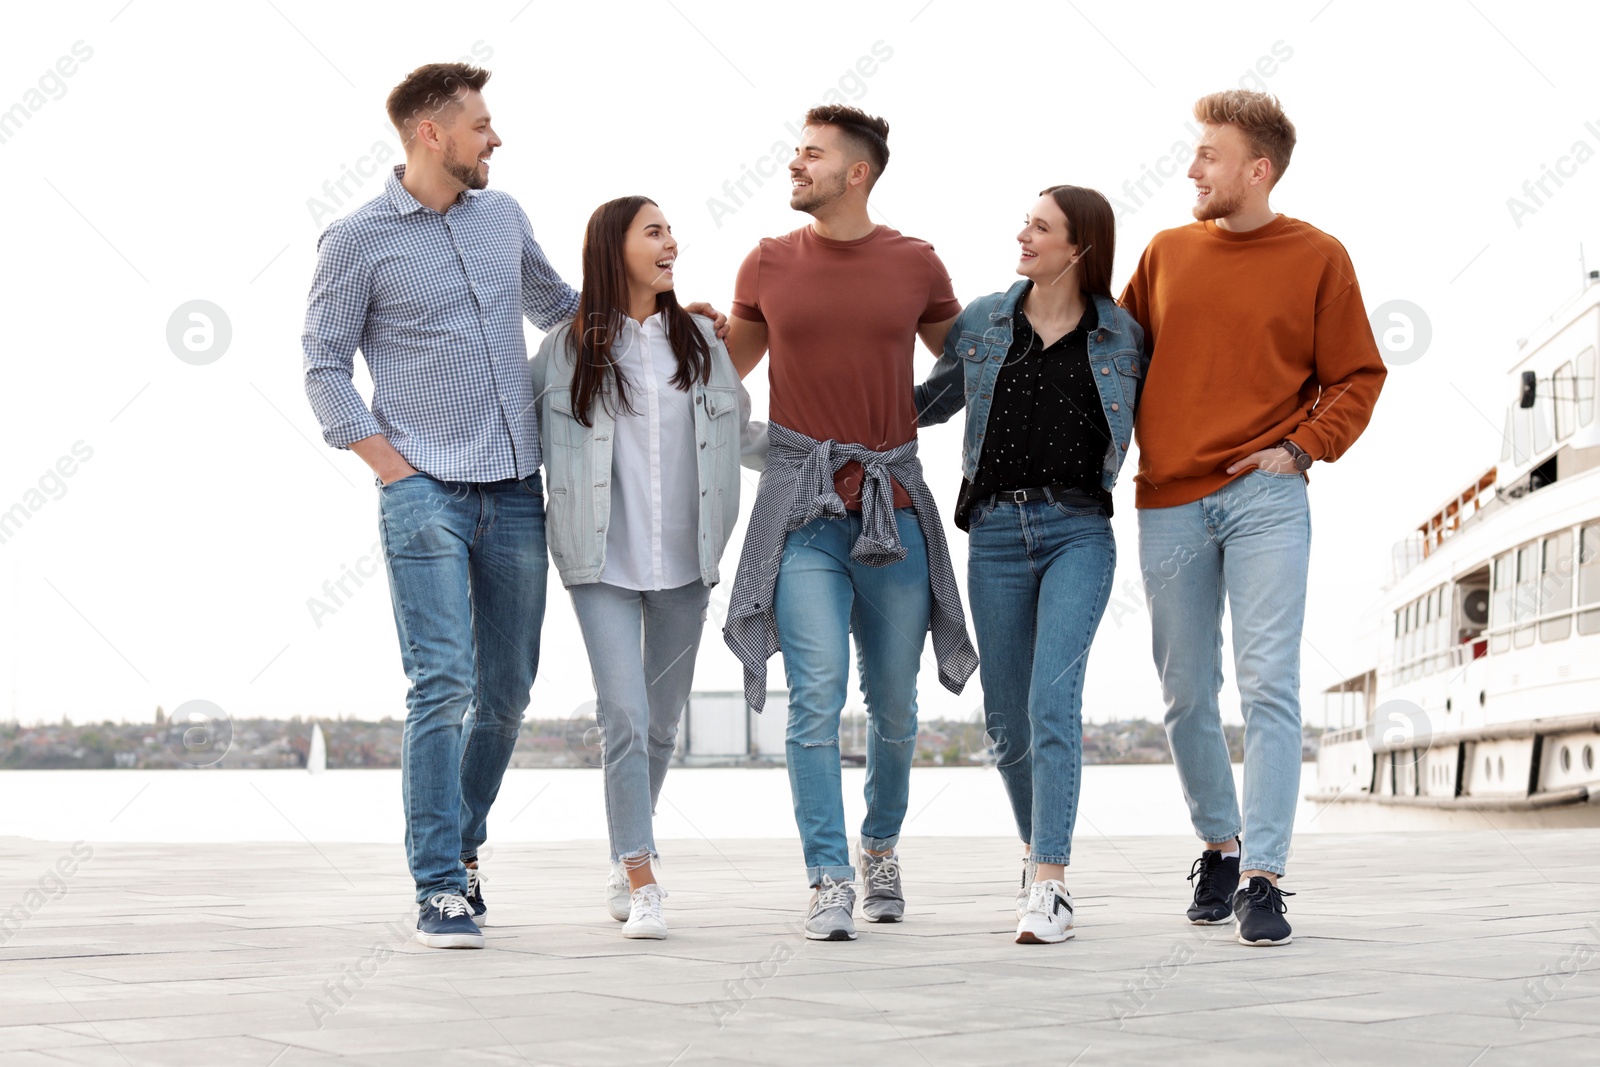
(545, 805)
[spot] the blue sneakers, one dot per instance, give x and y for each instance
(480, 910)
(445, 921)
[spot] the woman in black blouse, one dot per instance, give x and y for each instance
(1049, 373)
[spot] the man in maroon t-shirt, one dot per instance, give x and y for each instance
(840, 304)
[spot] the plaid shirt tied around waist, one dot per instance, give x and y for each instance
(796, 488)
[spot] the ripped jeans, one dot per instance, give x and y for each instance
(822, 595)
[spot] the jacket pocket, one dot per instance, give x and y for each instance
(563, 431)
(722, 415)
(559, 525)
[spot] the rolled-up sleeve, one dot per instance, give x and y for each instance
(336, 315)
(546, 299)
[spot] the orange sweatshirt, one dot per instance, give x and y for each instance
(1253, 337)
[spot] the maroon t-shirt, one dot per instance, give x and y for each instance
(842, 320)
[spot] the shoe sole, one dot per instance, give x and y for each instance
(1213, 922)
(831, 935)
(481, 919)
(885, 918)
(620, 918)
(1028, 937)
(1266, 941)
(449, 940)
(645, 935)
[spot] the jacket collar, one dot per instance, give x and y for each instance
(1106, 310)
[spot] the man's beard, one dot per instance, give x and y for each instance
(817, 197)
(1220, 205)
(467, 177)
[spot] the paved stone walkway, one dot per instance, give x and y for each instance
(1471, 950)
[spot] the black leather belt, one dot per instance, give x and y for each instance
(1054, 494)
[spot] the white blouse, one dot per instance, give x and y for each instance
(652, 540)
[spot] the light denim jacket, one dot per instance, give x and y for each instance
(577, 459)
(976, 347)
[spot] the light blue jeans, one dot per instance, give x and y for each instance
(1039, 578)
(642, 647)
(822, 596)
(1247, 545)
(467, 566)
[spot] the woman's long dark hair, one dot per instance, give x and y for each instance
(1092, 226)
(603, 304)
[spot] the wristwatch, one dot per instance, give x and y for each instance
(1302, 458)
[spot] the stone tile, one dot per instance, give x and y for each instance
(1391, 962)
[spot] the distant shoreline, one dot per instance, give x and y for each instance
(267, 744)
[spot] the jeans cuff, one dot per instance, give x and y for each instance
(1235, 834)
(879, 844)
(1061, 857)
(637, 857)
(423, 896)
(1252, 864)
(815, 875)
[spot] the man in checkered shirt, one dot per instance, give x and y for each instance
(430, 280)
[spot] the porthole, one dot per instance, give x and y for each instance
(1566, 758)
(1500, 768)
(1588, 757)
(1488, 768)
(1447, 704)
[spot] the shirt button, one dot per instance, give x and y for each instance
(1114, 407)
(972, 351)
(1105, 370)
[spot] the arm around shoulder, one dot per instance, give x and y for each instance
(945, 391)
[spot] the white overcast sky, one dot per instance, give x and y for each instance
(176, 163)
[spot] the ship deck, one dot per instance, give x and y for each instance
(1466, 949)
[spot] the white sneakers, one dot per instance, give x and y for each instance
(644, 914)
(1029, 868)
(1048, 918)
(617, 894)
(638, 909)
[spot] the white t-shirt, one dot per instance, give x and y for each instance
(652, 541)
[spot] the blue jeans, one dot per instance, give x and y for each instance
(823, 595)
(1247, 544)
(467, 567)
(1039, 578)
(642, 647)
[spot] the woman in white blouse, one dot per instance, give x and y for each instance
(643, 423)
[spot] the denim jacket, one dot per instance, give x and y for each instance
(976, 347)
(577, 459)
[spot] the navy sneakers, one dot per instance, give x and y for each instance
(445, 921)
(475, 901)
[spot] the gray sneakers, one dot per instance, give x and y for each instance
(832, 912)
(884, 902)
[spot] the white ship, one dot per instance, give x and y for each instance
(1486, 695)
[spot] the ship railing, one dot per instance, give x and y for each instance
(1448, 520)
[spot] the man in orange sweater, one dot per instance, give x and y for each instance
(1261, 363)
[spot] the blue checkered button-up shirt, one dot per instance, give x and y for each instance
(435, 303)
